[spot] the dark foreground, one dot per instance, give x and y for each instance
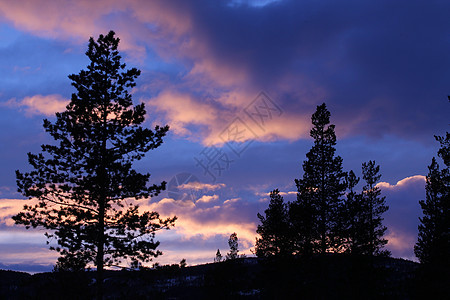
(325, 277)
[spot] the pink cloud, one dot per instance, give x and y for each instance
(206, 222)
(401, 243)
(207, 199)
(40, 104)
(183, 110)
(32, 253)
(194, 222)
(170, 32)
(56, 19)
(402, 218)
(222, 74)
(201, 186)
(9, 208)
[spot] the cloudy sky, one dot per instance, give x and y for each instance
(237, 81)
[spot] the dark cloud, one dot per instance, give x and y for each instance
(385, 62)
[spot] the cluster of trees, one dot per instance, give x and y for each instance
(234, 249)
(433, 244)
(328, 215)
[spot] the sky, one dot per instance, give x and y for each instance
(237, 82)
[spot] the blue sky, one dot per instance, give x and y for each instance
(382, 68)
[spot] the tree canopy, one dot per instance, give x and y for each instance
(320, 220)
(274, 229)
(433, 243)
(85, 184)
(234, 247)
(321, 189)
(373, 207)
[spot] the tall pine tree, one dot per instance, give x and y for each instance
(370, 216)
(320, 190)
(274, 229)
(433, 241)
(85, 185)
(433, 245)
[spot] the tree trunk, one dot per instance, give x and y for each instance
(100, 249)
(102, 204)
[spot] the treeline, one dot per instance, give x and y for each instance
(433, 244)
(329, 215)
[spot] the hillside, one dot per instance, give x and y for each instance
(336, 276)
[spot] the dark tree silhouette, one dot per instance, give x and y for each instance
(218, 257)
(353, 217)
(274, 229)
(302, 215)
(86, 186)
(433, 245)
(444, 151)
(183, 263)
(373, 207)
(234, 247)
(321, 189)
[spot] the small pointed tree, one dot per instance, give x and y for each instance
(321, 189)
(234, 247)
(85, 185)
(183, 263)
(373, 207)
(218, 257)
(274, 229)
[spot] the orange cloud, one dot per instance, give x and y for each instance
(170, 32)
(9, 208)
(156, 22)
(19, 245)
(60, 19)
(217, 123)
(40, 104)
(217, 72)
(183, 110)
(195, 222)
(30, 254)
